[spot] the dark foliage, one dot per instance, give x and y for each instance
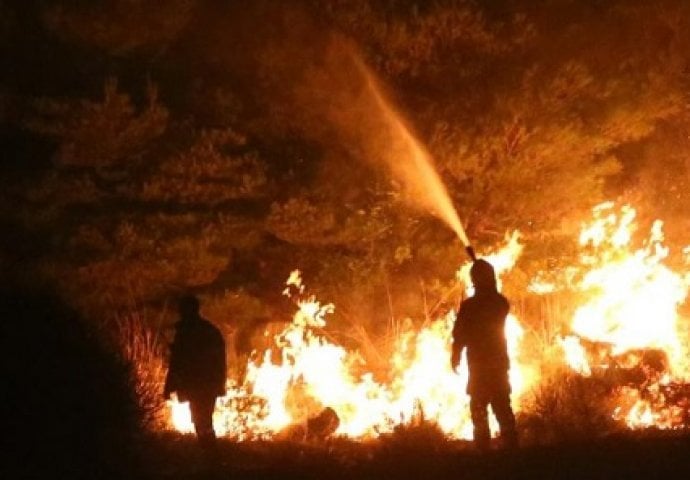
(566, 406)
(215, 146)
(68, 405)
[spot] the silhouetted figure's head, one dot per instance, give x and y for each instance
(188, 307)
(483, 275)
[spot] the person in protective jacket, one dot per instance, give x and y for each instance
(197, 370)
(480, 328)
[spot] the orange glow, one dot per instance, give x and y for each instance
(314, 373)
(631, 298)
(632, 306)
(411, 163)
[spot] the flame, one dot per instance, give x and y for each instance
(631, 297)
(305, 372)
(180, 415)
(575, 355)
(632, 307)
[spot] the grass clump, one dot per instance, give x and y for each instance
(567, 406)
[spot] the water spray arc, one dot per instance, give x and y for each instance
(415, 169)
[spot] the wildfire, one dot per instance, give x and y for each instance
(631, 315)
(627, 322)
(634, 295)
(313, 373)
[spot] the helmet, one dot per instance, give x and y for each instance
(483, 275)
(188, 306)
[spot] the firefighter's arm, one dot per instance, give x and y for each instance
(221, 359)
(167, 390)
(171, 377)
(169, 385)
(455, 355)
(459, 341)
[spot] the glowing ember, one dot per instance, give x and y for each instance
(314, 373)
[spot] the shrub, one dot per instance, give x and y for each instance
(70, 409)
(420, 435)
(567, 406)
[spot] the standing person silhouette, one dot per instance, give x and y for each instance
(197, 370)
(480, 328)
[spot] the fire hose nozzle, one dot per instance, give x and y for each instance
(470, 252)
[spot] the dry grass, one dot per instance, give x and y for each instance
(566, 406)
(416, 437)
(142, 348)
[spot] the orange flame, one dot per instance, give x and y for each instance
(634, 296)
(631, 304)
(314, 373)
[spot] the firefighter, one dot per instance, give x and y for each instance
(480, 328)
(197, 370)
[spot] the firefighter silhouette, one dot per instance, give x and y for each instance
(197, 370)
(480, 328)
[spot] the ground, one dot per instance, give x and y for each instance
(70, 415)
(635, 455)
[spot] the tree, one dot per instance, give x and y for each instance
(265, 156)
(121, 27)
(129, 222)
(100, 134)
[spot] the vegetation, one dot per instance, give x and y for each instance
(221, 153)
(213, 147)
(635, 456)
(72, 411)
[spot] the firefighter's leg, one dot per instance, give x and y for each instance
(500, 404)
(480, 420)
(202, 417)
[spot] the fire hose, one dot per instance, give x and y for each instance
(471, 253)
